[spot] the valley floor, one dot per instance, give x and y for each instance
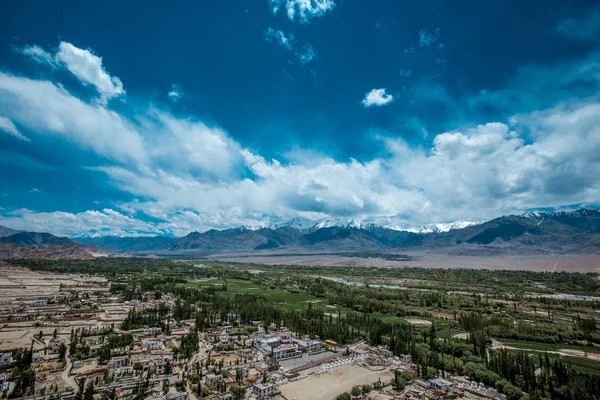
(537, 263)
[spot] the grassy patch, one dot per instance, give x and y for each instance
(521, 344)
(280, 297)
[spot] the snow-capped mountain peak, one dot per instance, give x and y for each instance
(532, 214)
(344, 223)
(299, 223)
(307, 225)
(582, 212)
(433, 228)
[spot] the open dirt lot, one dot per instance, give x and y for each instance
(20, 285)
(550, 263)
(329, 385)
(16, 282)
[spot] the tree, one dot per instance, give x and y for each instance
(238, 392)
(81, 385)
(62, 351)
(204, 391)
(24, 384)
(344, 396)
(356, 391)
(366, 388)
(88, 394)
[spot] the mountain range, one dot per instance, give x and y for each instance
(530, 233)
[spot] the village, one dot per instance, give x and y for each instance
(70, 329)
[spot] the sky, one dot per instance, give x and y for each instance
(133, 118)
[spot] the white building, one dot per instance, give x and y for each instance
(383, 352)
(245, 353)
(159, 366)
(152, 344)
(37, 357)
(308, 346)
(4, 384)
(118, 362)
(442, 384)
(95, 350)
(5, 358)
(53, 345)
(263, 390)
(154, 330)
(38, 303)
(285, 351)
(406, 358)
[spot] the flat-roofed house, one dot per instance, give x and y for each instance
(263, 390)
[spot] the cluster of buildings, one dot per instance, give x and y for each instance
(456, 387)
(282, 346)
(382, 357)
(259, 361)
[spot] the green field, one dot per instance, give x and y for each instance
(521, 344)
(296, 301)
(283, 298)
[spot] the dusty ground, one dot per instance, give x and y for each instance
(16, 282)
(418, 322)
(556, 263)
(17, 285)
(461, 336)
(329, 385)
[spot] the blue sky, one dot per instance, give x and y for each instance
(144, 119)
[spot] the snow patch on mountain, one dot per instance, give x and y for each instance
(433, 228)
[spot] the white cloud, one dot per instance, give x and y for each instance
(35, 190)
(83, 64)
(88, 68)
(470, 174)
(188, 175)
(280, 37)
(307, 54)
(490, 168)
(428, 37)
(176, 93)
(38, 54)
(302, 10)
(187, 144)
(74, 224)
(44, 107)
(377, 97)
(153, 137)
(9, 127)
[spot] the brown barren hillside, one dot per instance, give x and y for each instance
(8, 251)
